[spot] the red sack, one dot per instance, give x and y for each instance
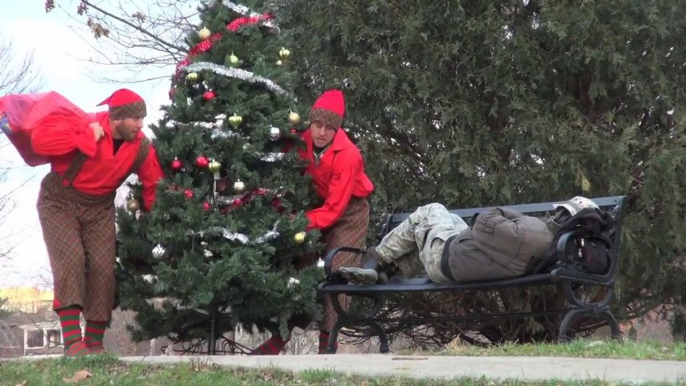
(21, 113)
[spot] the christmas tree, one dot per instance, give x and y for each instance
(221, 240)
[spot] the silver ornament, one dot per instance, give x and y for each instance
(158, 251)
(320, 264)
(274, 133)
(239, 186)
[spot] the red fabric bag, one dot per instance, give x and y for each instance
(20, 114)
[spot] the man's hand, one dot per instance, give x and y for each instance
(97, 130)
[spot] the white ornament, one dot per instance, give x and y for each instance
(158, 251)
(235, 73)
(239, 186)
(274, 133)
(320, 264)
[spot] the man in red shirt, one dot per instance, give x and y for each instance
(76, 210)
(337, 169)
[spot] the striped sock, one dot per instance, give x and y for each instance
(95, 331)
(71, 330)
(324, 342)
(273, 346)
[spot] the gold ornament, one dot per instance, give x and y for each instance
(233, 59)
(193, 76)
(235, 120)
(299, 237)
(204, 33)
(214, 166)
(284, 53)
(133, 205)
(239, 186)
(279, 62)
(293, 118)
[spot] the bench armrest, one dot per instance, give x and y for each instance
(565, 238)
(328, 260)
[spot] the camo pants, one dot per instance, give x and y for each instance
(416, 245)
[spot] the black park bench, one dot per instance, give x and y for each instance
(565, 278)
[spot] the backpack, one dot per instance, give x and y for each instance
(588, 252)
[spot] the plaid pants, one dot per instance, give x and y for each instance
(79, 233)
(349, 231)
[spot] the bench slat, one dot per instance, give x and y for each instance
(603, 202)
(425, 285)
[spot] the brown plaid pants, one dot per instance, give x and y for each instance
(79, 234)
(349, 231)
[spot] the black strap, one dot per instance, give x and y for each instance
(74, 167)
(142, 154)
(445, 258)
(80, 159)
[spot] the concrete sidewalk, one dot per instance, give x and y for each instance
(520, 368)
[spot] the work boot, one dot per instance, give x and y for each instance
(358, 275)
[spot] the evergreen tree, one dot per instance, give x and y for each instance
(477, 103)
(228, 221)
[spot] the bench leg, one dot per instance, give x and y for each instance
(598, 309)
(566, 321)
(612, 322)
(383, 338)
(333, 337)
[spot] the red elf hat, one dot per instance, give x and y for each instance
(125, 103)
(329, 108)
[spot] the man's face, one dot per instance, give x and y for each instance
(322, 134)
(128, 128)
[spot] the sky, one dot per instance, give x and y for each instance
(60, 54)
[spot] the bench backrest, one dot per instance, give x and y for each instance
(614, 204)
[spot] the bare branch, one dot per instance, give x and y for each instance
(136, 36)
(17, 75)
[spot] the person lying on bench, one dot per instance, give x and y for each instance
(498, 245)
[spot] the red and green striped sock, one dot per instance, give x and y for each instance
(273, 346)
(71, 330)
(95, 331)
(324, 342)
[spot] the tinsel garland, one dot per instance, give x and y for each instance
(235, 73)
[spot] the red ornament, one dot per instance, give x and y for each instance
(172, 91)
(174, 188)
(294, 131)
(202, 161)
(188, 193)
(276, 204)
(209, 95)
(206, 206)
(176, 165)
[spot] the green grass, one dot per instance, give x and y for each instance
(107, 370)
(579, 349)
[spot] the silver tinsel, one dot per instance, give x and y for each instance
(228, 234)
(235, 73)
(245, 11)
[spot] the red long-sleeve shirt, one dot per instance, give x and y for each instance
(338, 176)
(104, 171)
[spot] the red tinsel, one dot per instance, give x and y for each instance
(234, 26)
(237, 203)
